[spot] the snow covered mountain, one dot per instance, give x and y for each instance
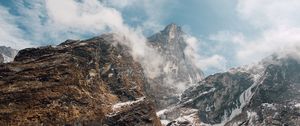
(178, 72)
(7, 54)
(263, 94)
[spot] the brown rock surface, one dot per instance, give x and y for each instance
(76, 82)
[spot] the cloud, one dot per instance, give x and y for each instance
(88, 15)
(121, 3)
(54, 21)
(93, 16)
(228, 36)
(279, 24)
(270, 13)
(10, 34)
(214, 62)
(276, 29)
(154, 10)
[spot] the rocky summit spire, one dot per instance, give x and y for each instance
(178, 72)
(171, 34)
(172, 30)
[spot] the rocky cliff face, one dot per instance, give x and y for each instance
(1, 59)
(90, 82)
(276, 98)
(263, 94)
(178, 72)
(7, 54)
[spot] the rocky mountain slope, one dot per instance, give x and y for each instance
(97, 82)
(264, 94)
(7, 54)
(90, 82)
(178, 72)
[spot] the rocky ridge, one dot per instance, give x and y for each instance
(75, 83)
(263, 94)
(178, 72)
(97, 82)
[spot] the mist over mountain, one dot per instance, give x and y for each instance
(120, 63)
(178, 72)
(110, 87)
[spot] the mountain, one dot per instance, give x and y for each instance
(7, 54)
(89, 82)
(178, 72)
(94, 81)
(263, 94)
(98, 82)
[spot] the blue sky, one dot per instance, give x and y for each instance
(228, 33)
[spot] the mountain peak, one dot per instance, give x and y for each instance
(7, 54)
(172, 28)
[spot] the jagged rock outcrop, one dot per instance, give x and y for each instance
(276, 99)
(178, 72)
(263, 94)
(7, 54)
(90, 82)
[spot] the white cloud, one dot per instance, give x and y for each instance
(121, 3)
(280, 40)
(277, 25)
(56, 20)
(94, 17)
(279, 22)
(228, 36)
(10, 34)
(154, 10)
(270, 12)
(215, 62)
(88, 15)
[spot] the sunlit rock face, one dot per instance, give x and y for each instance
(90, 82)
(263, 94)
(7, 54)
(177, 72)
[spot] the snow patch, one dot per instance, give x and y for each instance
(297, 105)
(110, 75)
(200, 95)
(120, 105)
(268, 105)
(7, 58)
(186, 115)
(161, 112)
(246, 96)
(252, 116)
(82, 44)
(192, 119)
(164, 122)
